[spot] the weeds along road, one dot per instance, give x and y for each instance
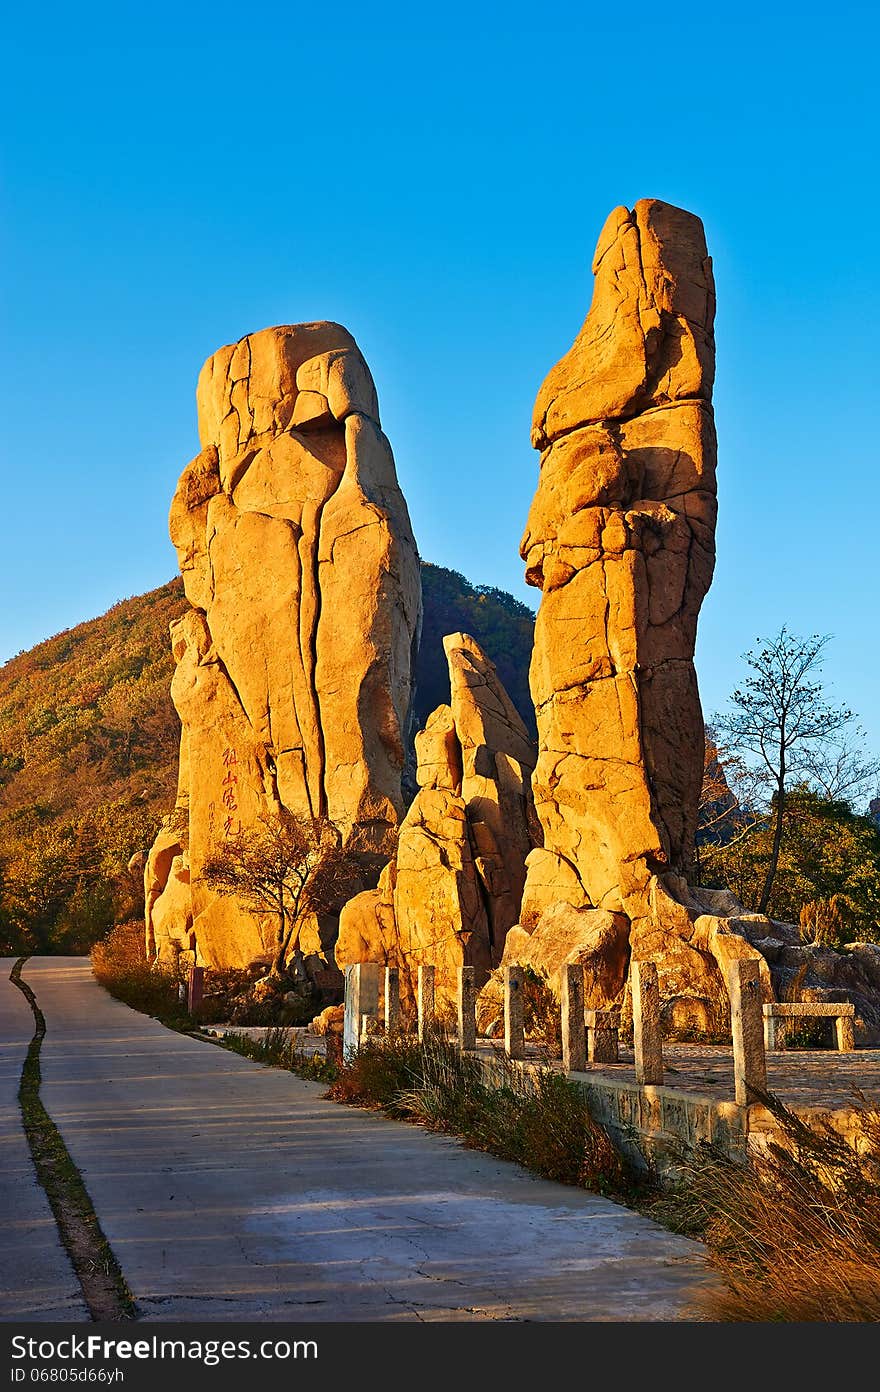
(37, 1280)
(228, 1190)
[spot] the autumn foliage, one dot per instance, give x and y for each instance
(88, 764)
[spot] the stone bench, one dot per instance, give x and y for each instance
(777, 1012)
(602, 1030)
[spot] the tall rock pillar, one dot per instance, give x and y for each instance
(620, 539)
(295, 660)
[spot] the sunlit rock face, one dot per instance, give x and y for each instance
(453, 889)
(620, 540)
(294, 664)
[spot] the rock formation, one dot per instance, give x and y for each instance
(453, 889)
(620, 540)
(293, 677)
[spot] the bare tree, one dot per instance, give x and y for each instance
(842, 771)
(287, 866)
(780, 719)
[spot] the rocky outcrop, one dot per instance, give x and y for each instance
(620, 540)
(453, 889)
(497, 760)
(294, 663)
(594, 939)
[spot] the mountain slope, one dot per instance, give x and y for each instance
(88, 748)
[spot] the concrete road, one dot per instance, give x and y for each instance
(233, 1191)
(37, 1281)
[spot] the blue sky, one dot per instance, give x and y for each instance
(173, 178)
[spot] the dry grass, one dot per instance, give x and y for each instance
(122, 949)
(795, 1232)
(119, 963)
(279, 1049)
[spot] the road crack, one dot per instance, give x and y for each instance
(98, 1272)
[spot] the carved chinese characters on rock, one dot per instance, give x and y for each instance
(229, 794)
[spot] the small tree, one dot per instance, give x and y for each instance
(828, 853)
(288, 866)
(781, 718)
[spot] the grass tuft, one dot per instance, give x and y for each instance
(795, 1231)
(279, 1049)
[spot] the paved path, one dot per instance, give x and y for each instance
(37, 1281)
(232, 1191)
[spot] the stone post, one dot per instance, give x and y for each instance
(392, 1001)
(574, 1033)
(774, 1032)
(514, 1037)
(195, 988)
(747, 1029)
(467, 1009)
(647, 1040)
(426, 1000)
(361, 998)
(844, 1033)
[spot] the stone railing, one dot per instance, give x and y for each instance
(652, 1121)
(590, 1037)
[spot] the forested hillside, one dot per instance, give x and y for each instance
(88, 749)
(501, 625)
